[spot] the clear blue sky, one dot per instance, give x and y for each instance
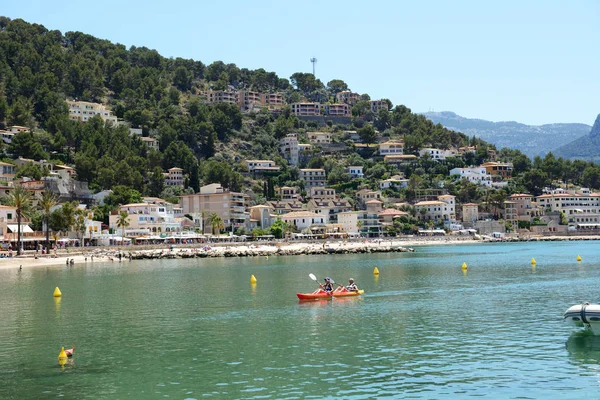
(530, 61)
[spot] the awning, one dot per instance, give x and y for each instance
(24, 228)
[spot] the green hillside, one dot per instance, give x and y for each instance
(40, 69)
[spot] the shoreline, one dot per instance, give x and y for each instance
(252, 249)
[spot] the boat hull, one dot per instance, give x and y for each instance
(321, 295)
(584, 316)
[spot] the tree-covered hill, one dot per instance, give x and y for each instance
(40, 69)
(584, 148)
(531, 140)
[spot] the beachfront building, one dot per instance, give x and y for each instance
(303, 219)
(470, 213)
(313, 177)
(174, 177)
(9, 224)
(441, 210)
(526, 207)
(365, 222)
(356, 171)
(510, 214)
(83, 111)
(581, 208)
(262, 215)
(145, 218)
(329, 208)
(288, 148)
(231, 207)
(476, 175)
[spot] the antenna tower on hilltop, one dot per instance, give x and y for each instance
(313, 61)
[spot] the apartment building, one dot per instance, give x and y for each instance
(174, 177)
(321, 193)
(83, 111)
(274, 101)
(329, 208)
(586, 205)
(284, 207)
(7, 171)
(231, 207)
(288, 148)
(249, 100)
(319, 137)
(347, 97)
(261, 215)
(526, 207)
(476, 175)
(338, 110)
(260, 165)
(307, 109)
(288, 193)
(365, 195)
(313, 177)
(366, 222)
(221, 96)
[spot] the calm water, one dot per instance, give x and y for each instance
(191, 329)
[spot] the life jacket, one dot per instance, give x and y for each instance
(328, 287)
(352, 286)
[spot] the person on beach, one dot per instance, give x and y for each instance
(351, 287)
(328, 286)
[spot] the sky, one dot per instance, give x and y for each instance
(535, 61)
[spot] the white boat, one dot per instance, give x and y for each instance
(585, 315)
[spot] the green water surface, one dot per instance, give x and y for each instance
(192, 329)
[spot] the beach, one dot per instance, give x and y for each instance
(78, 256)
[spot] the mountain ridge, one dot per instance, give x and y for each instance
(532, 140)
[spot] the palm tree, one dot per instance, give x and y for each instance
(215, 222)
(359, 225)
(20, 199)
(46, 202)
(123, 222)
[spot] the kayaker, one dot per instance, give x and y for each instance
(352, 286)
(328, 286)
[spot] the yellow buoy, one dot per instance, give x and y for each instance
(578, 258)
(62, 357)
(252, 279)
(57, 292)
(533, 261)
(464, 266)
(267, 257)
(376, 271)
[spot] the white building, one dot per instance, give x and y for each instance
(476, 175)
(581, 209)
(356, 171)
(438, 154)
(288, 147)
(260, 165)
(83, 111)
(396, 182)
(441, 210)
(303, 219)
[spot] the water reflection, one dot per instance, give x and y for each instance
(584, 350)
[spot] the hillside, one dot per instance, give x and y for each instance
(530, 139)
(584, 148)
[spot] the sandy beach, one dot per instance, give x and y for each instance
(111, 254)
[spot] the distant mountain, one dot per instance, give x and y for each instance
(530, 139)
(585, 148)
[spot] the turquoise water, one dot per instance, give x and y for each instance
(192, 329)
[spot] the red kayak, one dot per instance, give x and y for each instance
(320, 294)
